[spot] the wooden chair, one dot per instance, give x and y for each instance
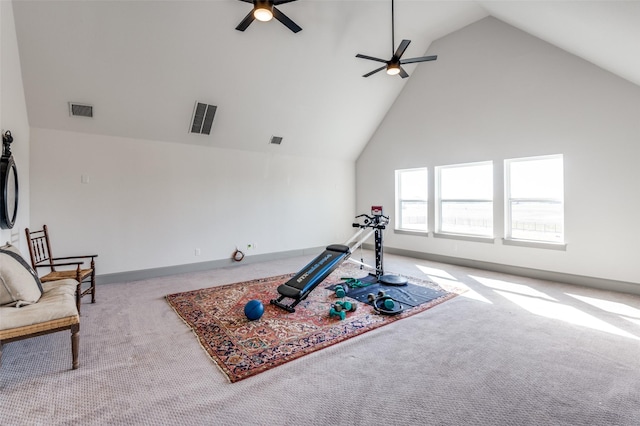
(42, 257)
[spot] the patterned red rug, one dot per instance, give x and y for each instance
(243, 348)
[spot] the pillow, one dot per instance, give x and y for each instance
(19, 284)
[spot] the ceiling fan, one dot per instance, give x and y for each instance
(265, 11)
(394, 65)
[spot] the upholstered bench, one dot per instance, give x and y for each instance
(29, 308)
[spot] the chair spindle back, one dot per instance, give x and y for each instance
(40, 247)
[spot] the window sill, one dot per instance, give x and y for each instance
(408, 232)
(535, 244)
(464, 237)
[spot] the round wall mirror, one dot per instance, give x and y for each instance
(8, 185)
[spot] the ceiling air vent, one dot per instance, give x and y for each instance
(80, 110)
(276, 140)
(203, 118)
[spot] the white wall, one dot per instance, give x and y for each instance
(496, 93)
(150, 204)
(13, 117)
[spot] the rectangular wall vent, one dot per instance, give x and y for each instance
(203, 118)
(276, 140)
(80, 110)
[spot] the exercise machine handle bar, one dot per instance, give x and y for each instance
(372, 223)
(355, 237)
(361, 240)
(378, 221)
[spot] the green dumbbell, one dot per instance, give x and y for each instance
(389, 304)
(349, 306)
(337, 312)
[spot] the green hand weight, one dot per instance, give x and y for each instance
(389, 304)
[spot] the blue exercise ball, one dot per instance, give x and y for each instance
(253, 309)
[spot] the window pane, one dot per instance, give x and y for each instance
(471, 218)
(535, 199)
(411, 199)
(413, 185)
(414, 215)
(467, 182)
(536, 220)
(540, 178)
(465, 197)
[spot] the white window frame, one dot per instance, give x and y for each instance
(439, 200)
(508, 225)
(399, 226)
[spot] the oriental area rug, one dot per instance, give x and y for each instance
(242, 348)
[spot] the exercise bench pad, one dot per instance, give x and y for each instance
(315, 272)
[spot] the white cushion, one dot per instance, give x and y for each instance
(19, 284)
(57, 301)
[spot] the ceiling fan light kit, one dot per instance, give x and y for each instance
(265, 10)
(394, 65)
(393, 69)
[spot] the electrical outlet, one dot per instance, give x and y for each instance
(197, 252)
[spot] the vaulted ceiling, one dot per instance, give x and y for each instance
(144, 64)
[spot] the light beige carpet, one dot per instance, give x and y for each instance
(509, 351)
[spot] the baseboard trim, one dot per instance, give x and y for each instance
(599, 283)
(145, 274)
(582, 280)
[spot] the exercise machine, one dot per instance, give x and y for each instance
(302, 284)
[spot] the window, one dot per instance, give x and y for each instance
(535, 199)
(411, 199)
(465, 199)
